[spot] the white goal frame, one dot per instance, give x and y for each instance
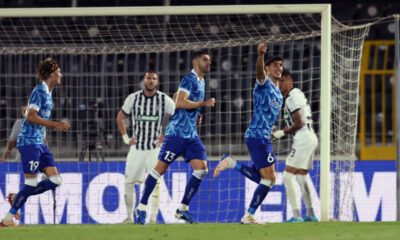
(325, 94)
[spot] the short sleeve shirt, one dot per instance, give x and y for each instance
(41, 101)
(183, 122)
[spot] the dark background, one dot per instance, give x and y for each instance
(349, 12)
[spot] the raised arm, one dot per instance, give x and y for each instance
(260, 69)
(183, 102)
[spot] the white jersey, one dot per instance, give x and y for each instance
(147, 114)
(305, 141)
(294, 102)
(16, 129)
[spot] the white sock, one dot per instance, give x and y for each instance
(306, 193)
(183, 207)
(44, 177)
(155, 203)
(310, 212)
(142, 207)
(231, 162)
(130, 196)
(9, 217)
(291, 192)
(247, 214)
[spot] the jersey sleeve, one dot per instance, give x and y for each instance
(264, 84)
(293, 102)
(186, 85)
(35, 100)
(169, 106)
(128, 105)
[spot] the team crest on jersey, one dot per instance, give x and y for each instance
(46, 113)
(275, 104)
(147, 118)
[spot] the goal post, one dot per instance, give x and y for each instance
(90, 53)
(165, 10)
(325, 116)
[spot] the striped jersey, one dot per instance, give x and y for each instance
(147, 114)
(267, 102)
(294, 102)
(41, 101)
(183, 123)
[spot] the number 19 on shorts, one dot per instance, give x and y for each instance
(34, 165)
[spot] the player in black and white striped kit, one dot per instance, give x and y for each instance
(150, 111)
(297, 114)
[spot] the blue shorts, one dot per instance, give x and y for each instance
(35, 157)
(189, 148)
(261, 152)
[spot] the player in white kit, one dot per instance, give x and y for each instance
(150, 111)
(12, 139)
(297, 114)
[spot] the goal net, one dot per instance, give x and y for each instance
(103, 59)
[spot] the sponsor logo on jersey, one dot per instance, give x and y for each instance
(147, 118)
(286, 116)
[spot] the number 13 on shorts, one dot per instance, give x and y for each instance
(169, 156)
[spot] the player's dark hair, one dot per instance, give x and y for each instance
(150, 71)
(273, 59)
(198, 54)
(46, 68)
(286, 72)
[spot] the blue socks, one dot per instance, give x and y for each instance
(43, 186)
(149, 186)
(191, 188)
(28, 190)
(21, 198)
(259, 195)
(248, 172)
(262, 189)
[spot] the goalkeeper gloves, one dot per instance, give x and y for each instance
(126, 139)
(278, 134)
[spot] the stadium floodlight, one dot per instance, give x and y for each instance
(103, 53)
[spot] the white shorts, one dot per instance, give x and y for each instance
(301, 156)
(139, 163)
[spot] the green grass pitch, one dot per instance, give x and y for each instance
(209, 231)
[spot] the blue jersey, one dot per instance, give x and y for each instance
(267, 101)
(183, 122)
(41, 101)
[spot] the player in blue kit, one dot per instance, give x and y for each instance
(181, 138)
(267, 101)
(35, 155)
